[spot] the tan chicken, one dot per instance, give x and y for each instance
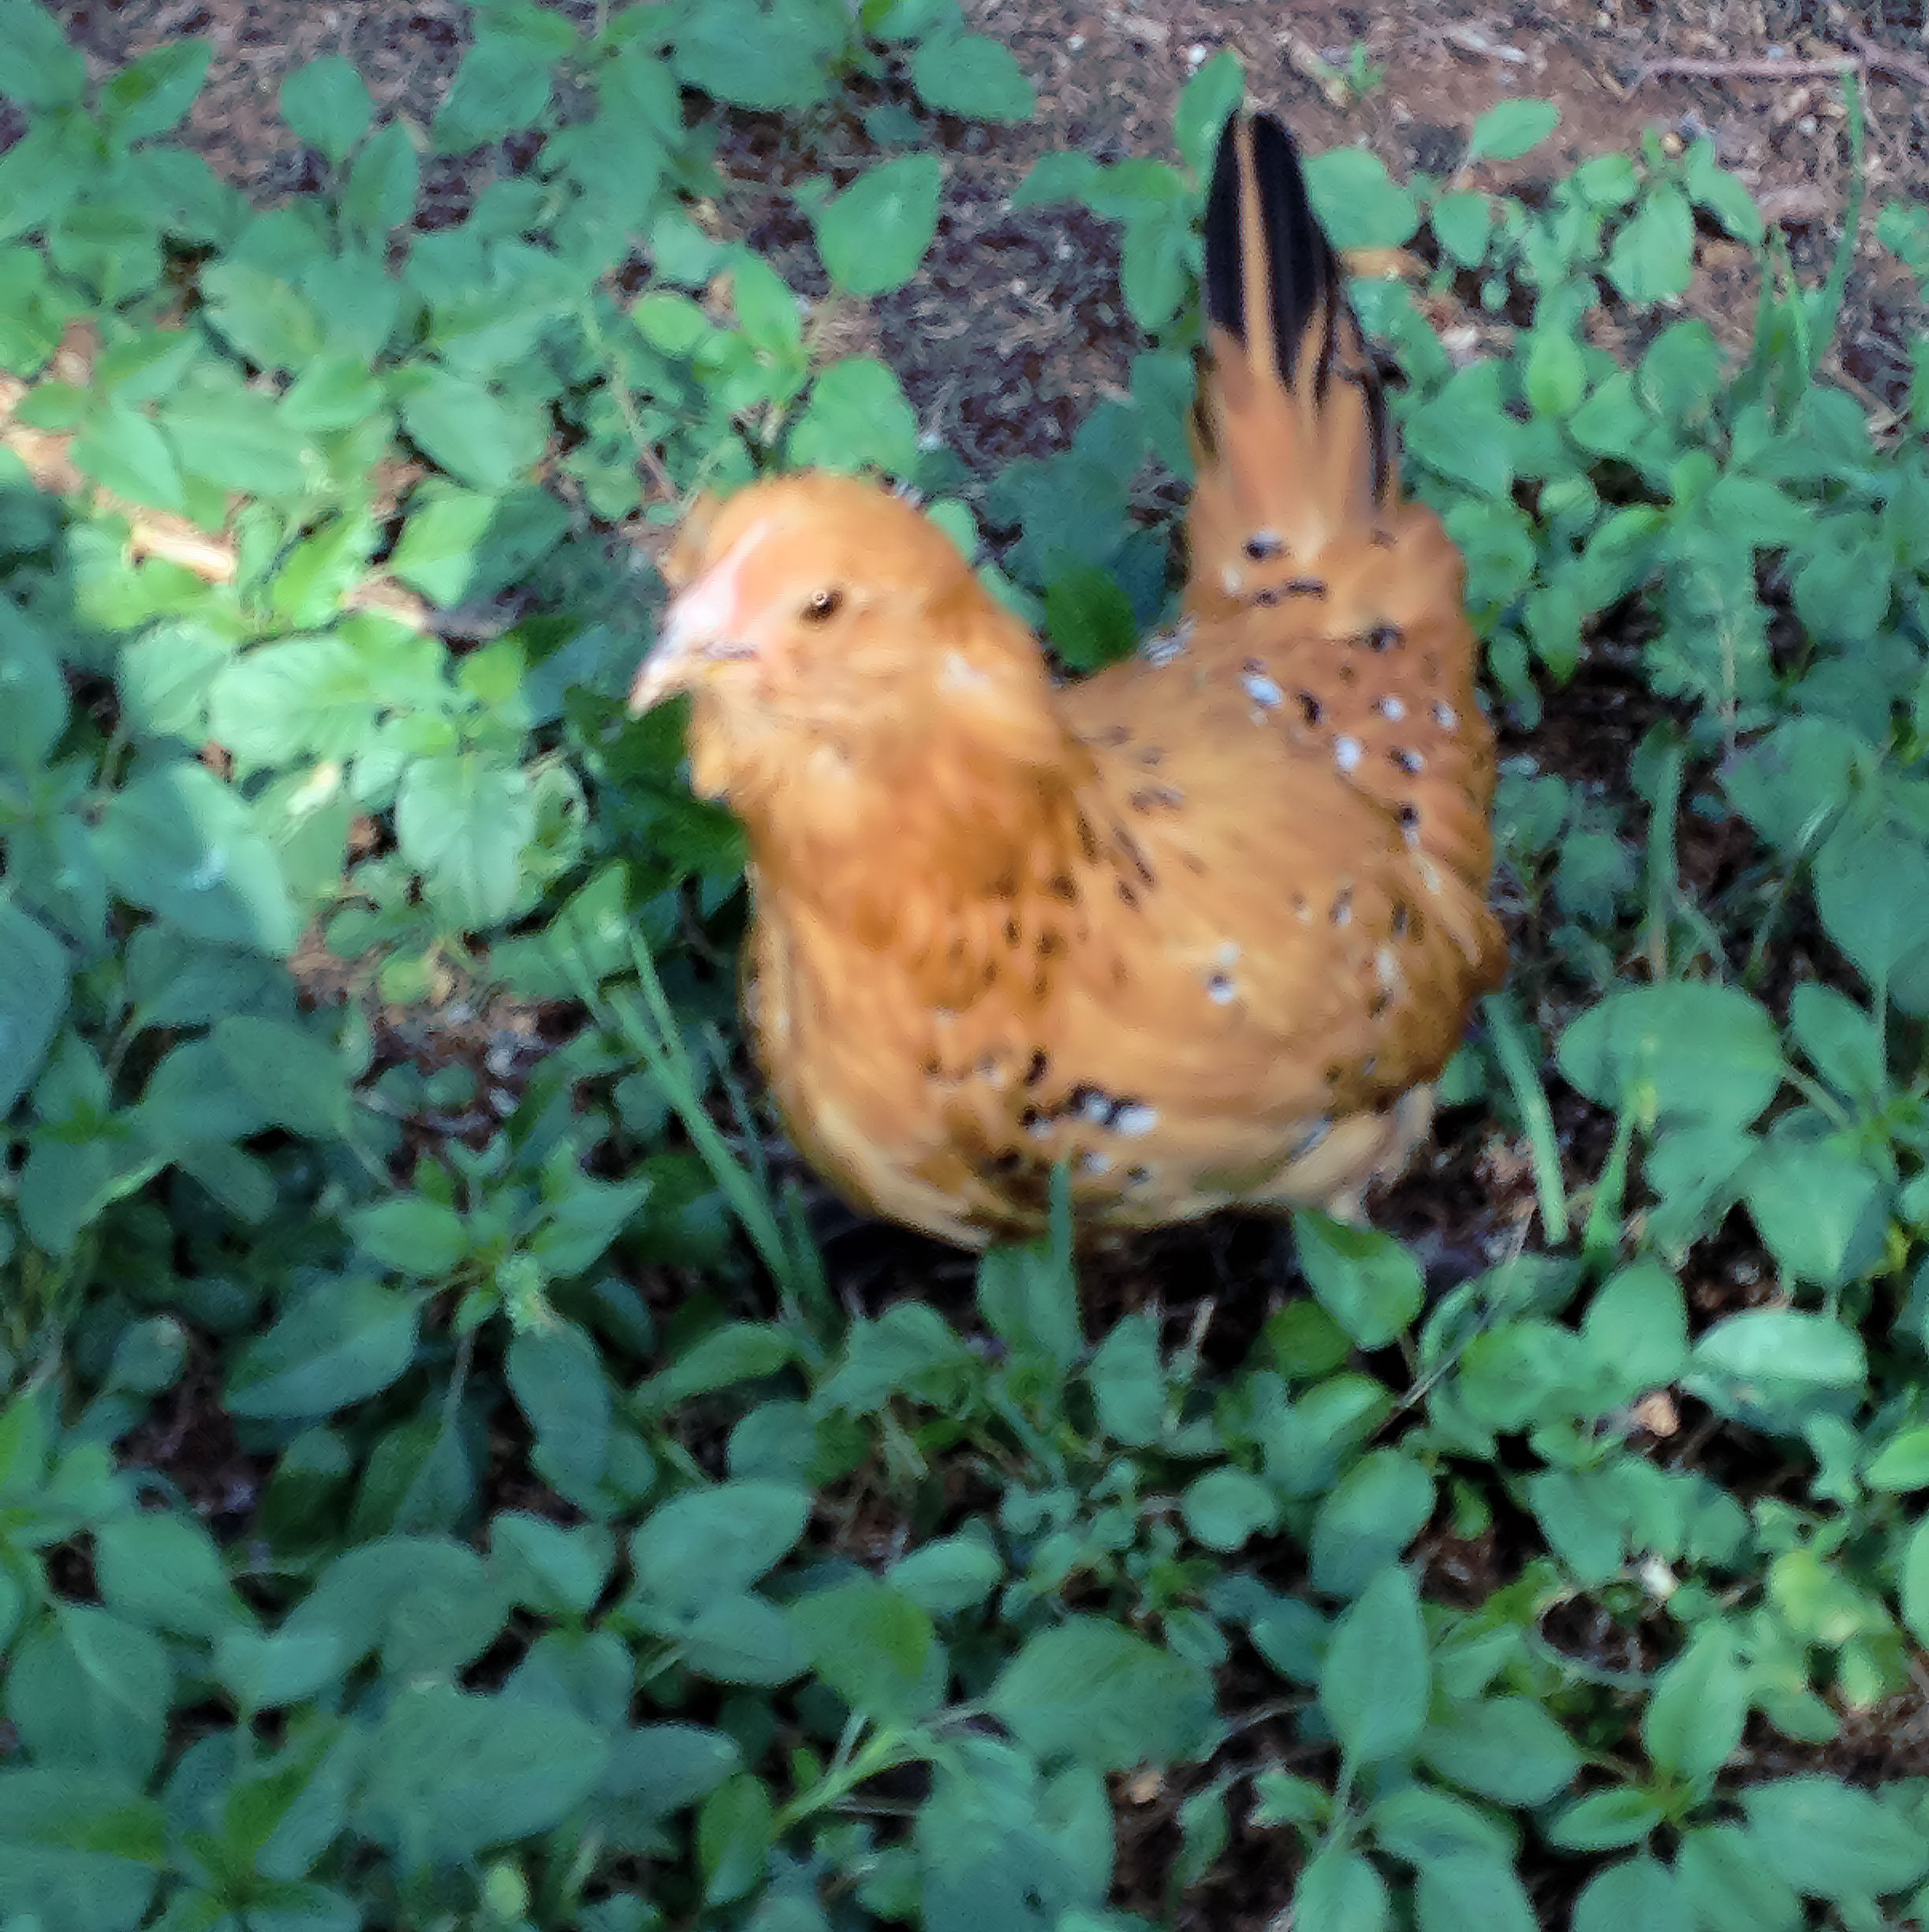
(1204, 926)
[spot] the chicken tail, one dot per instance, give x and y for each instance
(1290, 429)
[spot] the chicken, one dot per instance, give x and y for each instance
(1204, 926)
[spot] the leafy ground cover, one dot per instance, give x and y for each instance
(442, 1478)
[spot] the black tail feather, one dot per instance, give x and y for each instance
(1305, 293)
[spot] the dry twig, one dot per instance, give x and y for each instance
(46, 456)
(1868, 57)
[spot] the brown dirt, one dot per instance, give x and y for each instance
(1014, 327)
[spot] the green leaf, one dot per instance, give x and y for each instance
(1581, 1521)
(1469, 1889)
(1285, 1798)
(1787, 786)
(1786, 1346)
(307, 696)
(1840, 1040)
(1818, 1207)
(584, 1219)
(1506, 1748)
(1636, 1331)
(1728, 1887)
(857, 418)
(464, 821)
(1556, 375)
(953, 1574)
(909, 1350)
(270, 320)
(1653, 255)
(34, 976)
(427, 1604)
(443, 541)
(501, 86)
(1155, 258)
(451, 1774)
(739, 1639)
(1092, 1691)
(1867, 879)
(463, 428)
(240, 440)
(175, 840)
(550, 1570)
(1901, 1464)
(382, 184)
(42, 72)
(1128, 1381)
(295, 1079)
(79, 1851)
(162, 1572)
(874, 1646)
(89, 1691)
(1915, 1582)
(1462, 223)
(973, 76)
(1367, 1282)
(148, 96)
(873, 236)
(766, 309)
(1680, 1052)
(1000, 1846)
(66, 1184)
(558, 1382)
(1339, 1891)
(1226, 1507)
(325, 105)
(413, 1235)
(1463, 431)
(1376, 1679)
(762, 56)
(659, 1769)
(1604, 1821)
(123, 451)
(1056, 178)
(1830, 1840)
(677, 326)
(1693, 1721)
(737, 1352)
(1029, 1298)
(1357, 201)
(1206, 102)
(341, 1342)
(1089, 619)
(33, 699)
(1368, 1520)
(1638, 1894)
(711, 1541)
(1507, 131)
(733, 1835)
(337, 390)
(1420, 1826)
(1723, 195)
(897, 20)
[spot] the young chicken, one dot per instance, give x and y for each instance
(1204, 926)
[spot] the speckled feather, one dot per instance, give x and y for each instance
(1204, 926)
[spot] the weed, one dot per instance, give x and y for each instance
(545, 1596)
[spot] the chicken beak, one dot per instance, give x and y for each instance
(665, 672)
(695, 633)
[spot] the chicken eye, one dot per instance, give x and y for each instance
(822, 607)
